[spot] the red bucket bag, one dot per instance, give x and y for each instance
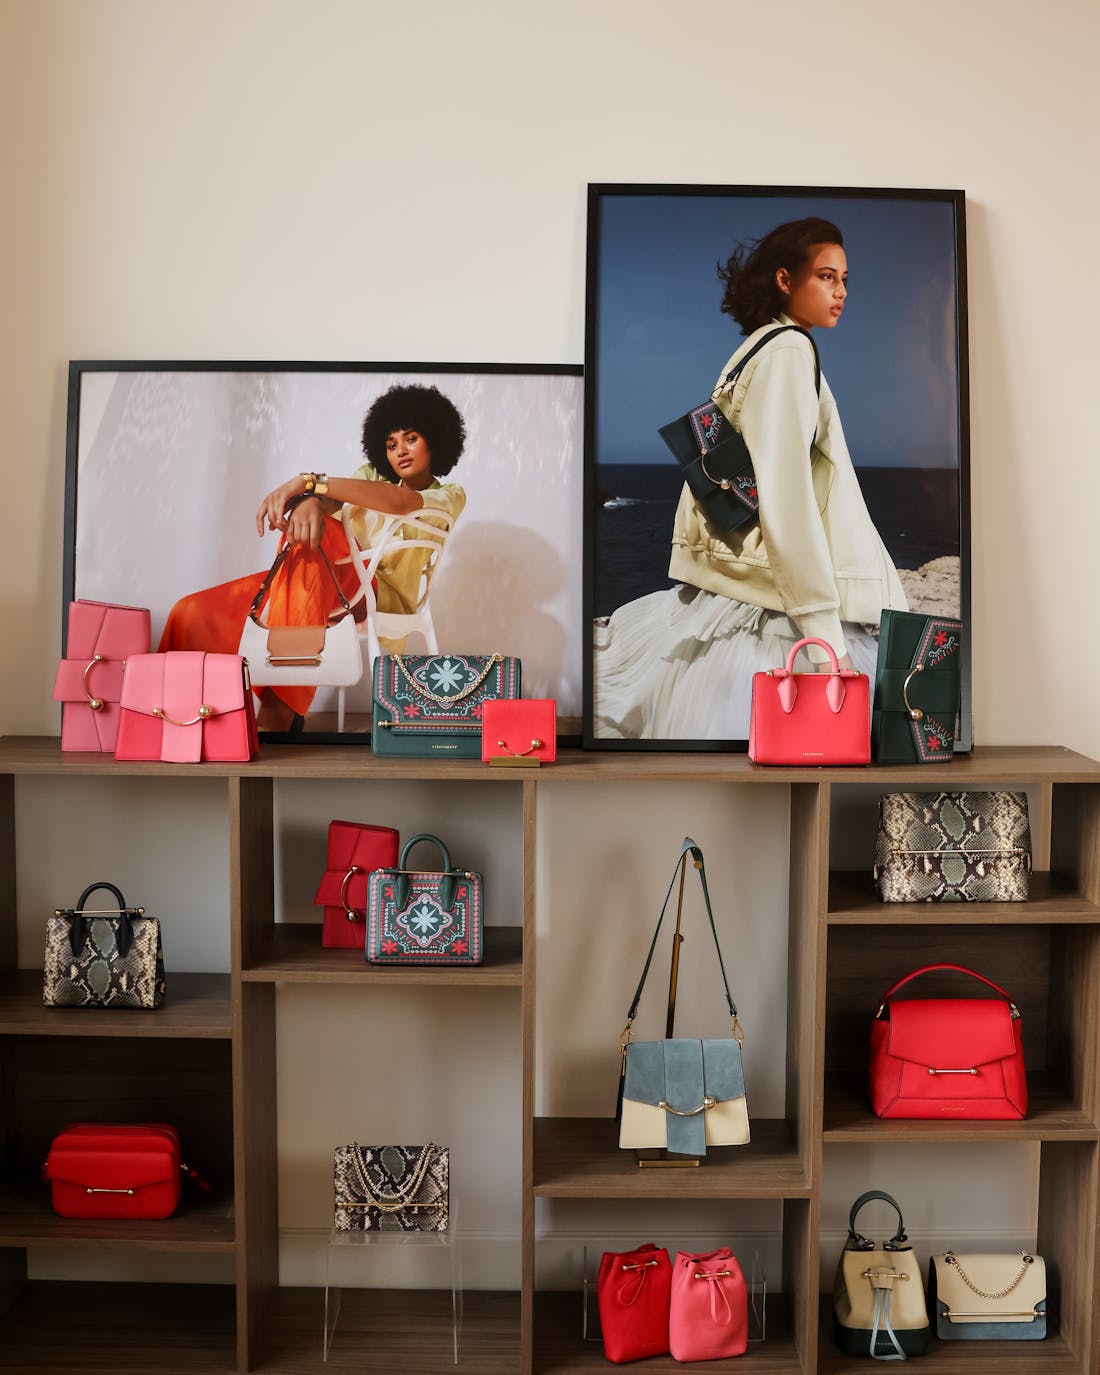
(959, 1058)
(633, 1292)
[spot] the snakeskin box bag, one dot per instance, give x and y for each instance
(103, 957)
(953, 847)
(391, 1188)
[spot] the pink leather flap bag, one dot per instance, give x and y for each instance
(186, 707)
(810, 718)
(100, 638)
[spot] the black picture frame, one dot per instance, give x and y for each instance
(138, 495)
(655, 341)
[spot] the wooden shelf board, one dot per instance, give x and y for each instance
(580, 1157)
(1051, 1356)
(196, 1007)
(202, 1223)
(56, 1328)
(1054, 900)
(559, 1346)
(985, 764)
(1051, 1117)
(295, 956)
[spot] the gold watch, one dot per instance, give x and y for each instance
(316, 484)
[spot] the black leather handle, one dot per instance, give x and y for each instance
(688, 847)
(781, 329)
(899, 1236)
(448, 882)
(78, 931)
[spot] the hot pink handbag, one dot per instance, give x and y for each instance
(709, 1307)
(810, 718)
(187, 707)
(89, 679)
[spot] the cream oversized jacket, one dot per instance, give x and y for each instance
(814, 553)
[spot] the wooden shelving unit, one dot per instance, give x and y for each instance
(212, 1050)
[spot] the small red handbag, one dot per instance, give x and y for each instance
(187, 707)
(109, 1170)
(957, 1058)
(709, 1307)
(354, 852)
(632, 1291)
(519, 728)
(810, 718)
(101, 637)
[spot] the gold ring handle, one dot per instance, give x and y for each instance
(708, 1102)
(914, 712)
(519, 754)
(349, 912)
(205, 714)
(722, 482)
(96, 703)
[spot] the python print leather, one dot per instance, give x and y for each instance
(98, 976)
(953, 847)
(391, 1188)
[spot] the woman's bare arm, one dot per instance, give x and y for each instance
(304, 523)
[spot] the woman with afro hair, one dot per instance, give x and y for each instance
(412, 436)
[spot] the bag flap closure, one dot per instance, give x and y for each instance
(951, 1033)
(295, 641)
(363, 847)
(447, 690)
(113, 1167)
(991, 1273)
(115, 632)
(104, 680)
(681, 1072)
(387, 1175)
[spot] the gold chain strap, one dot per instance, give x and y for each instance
(952, 1259)
(448, 701)
(402, 1197)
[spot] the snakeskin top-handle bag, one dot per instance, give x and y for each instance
(100, 957)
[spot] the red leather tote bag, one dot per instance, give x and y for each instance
(633, 1292)
(959, 1058)
(810, 718)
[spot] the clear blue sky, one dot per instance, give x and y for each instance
(891, 361)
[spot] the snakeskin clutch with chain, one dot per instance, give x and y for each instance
(391, 1188)
(953, 847)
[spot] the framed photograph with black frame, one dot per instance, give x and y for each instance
(171, 467)
(730, 310)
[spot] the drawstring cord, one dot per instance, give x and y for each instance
(717, 1292)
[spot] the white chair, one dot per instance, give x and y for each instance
(425, 529)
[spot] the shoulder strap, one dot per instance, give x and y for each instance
(688, 847)
(773, 334)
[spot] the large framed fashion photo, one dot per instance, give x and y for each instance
(827, 329)
(453, 524)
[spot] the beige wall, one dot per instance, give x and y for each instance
(354, 179)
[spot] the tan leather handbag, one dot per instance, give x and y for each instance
(878, 1297)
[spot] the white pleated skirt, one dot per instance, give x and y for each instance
(678, 664)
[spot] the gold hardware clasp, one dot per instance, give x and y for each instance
(707, 1103)
(96, 703)
(914, 712)
(205, 714)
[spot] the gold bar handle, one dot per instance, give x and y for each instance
(914, 712)
(349, 912)
(519, 754)
(708, 1102)
(108, 1191)
(205, 714)
(96, 703)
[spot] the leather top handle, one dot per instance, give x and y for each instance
(931, 968)
(898, 1239)
(258, 599)
(834, 688)
(449, 876)
(688, 847)
(78, 929)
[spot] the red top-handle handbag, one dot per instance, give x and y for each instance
(948, 1058)
(810, 718)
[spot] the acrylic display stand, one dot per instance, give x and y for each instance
(340, 1259)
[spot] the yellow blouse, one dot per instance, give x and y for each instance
(398, 574)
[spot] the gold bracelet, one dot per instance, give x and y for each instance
(316, 484)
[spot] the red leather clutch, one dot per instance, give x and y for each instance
(354, 852)
(101, 637)
(810, 718)
(519, 728)
(187, 707)
(106, 1170)
(948, 1058)
(633, 1290)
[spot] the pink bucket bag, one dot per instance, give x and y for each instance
(101, 637)
(709, 1307)
(187, 707)
(810, 718)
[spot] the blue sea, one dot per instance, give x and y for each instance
(916, 511)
